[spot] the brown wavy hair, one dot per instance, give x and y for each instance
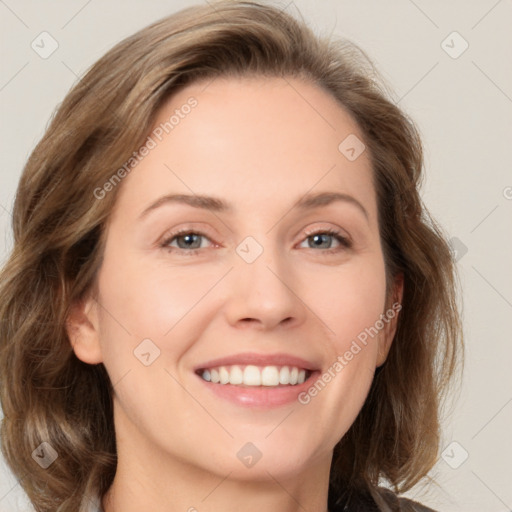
(49, 395)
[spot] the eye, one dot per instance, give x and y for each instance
(187, 241)
(322, 238)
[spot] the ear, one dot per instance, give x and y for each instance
(390, 319)
(82, 330)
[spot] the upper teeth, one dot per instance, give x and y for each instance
(254, 375)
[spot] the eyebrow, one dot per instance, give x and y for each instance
(214, 204)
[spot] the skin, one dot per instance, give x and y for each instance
(260, 144)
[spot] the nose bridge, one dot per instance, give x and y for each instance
(262, 284)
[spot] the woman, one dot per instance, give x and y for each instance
(225, 292)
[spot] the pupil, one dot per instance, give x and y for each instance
(318, 238)
(188, 238)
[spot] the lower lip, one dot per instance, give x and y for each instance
(260, 396)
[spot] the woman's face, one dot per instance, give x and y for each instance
(263, 170)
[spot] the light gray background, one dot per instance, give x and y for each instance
(463, 107)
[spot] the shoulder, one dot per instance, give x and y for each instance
(377, 499)
(407, 505)
(400, 504)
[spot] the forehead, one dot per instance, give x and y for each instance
(251, 140)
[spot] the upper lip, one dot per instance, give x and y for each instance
(278, 359)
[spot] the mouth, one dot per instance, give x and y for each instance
(253, 376)
(256, 380)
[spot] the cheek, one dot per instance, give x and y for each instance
(156, 302)
(149, 300)
(350, 302)
(350, 299)
(142, 320)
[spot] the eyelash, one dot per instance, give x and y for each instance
(344, 241)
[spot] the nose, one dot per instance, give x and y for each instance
(264, 294)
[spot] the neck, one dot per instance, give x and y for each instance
(212, 494)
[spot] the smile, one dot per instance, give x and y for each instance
(253, 376)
